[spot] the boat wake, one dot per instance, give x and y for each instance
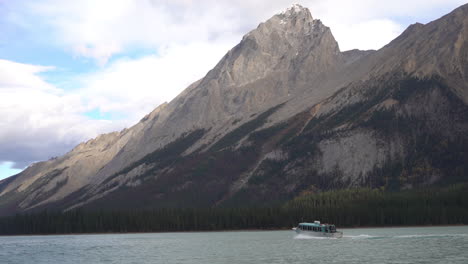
(362, 236)
(365, 236)
(302, 236)
(431, 235)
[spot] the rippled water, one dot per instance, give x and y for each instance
(376, 245)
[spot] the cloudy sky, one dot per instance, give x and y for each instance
(70, 70)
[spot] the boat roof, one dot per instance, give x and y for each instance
(315, 224)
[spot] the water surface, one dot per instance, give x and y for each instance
(376, 245)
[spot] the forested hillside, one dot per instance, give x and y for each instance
(345, 208)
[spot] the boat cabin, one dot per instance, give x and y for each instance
(316, 226)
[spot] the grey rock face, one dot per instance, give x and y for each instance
(271, 64)
(282, 111)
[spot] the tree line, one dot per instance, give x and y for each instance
(344, 208)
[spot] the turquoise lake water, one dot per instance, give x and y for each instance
(367, 245)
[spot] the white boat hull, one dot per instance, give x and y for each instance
(318, 234)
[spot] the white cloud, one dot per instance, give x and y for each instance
(372, 34)
(16, 76)
(101, 29)
(39, 120)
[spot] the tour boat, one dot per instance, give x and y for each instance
(318, 230)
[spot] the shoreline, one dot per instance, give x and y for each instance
(230, 230)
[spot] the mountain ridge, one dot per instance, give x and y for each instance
(285, 89)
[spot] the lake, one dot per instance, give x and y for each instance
(364, 245)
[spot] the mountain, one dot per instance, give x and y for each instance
(284, 112)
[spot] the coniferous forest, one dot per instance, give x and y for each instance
(345, 208)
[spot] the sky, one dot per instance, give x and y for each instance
(71, 70)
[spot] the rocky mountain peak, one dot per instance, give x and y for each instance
(286, 37)
(276, 60)
(296, 21)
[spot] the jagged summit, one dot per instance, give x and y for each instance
(294, 9)
(293, 14)
(295, 19)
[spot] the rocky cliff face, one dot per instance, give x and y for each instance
(283, 112)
